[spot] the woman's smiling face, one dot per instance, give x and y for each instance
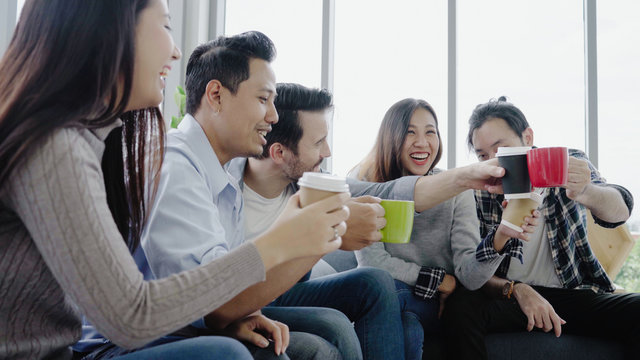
(421, 143)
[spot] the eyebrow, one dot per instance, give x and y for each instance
(321, 139)
(271, 91)
(490, 146)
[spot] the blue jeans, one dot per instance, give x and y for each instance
(367, 297)
(302, 346)
(329, 324)
(419, 317)
(198, 348)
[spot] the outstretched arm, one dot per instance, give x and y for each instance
(435, 189)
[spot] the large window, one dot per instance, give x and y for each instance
(298, 37)
(618, 96)
(533, 53)
(387, 53)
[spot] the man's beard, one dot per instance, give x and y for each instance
(295, 169)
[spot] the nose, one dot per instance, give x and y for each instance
(326, 150)
(177, 54)
(272, 115)
(420, 141)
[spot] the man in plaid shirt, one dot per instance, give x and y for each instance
(552, 281)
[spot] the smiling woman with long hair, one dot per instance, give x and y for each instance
(444, 237)
(81, 141)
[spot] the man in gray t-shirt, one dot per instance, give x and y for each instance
(298, 143)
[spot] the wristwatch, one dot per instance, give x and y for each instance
(507, 289)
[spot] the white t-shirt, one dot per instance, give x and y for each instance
(537, 267)
(259, 212)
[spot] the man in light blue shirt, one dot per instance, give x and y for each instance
(198, 213)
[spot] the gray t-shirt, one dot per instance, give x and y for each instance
(537, 267)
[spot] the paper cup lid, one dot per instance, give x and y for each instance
(511, 226)
(326, 182)
(530, 195)
(512, 150)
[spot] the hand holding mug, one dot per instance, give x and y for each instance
(366, 218)
(505, 232)
(579, 177)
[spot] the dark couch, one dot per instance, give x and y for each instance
(523, 345)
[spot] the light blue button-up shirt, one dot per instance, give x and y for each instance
(197, 213)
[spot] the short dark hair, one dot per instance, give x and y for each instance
(225, 59)
(501, 109)
(291, 99)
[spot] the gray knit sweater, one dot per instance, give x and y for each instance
(61, 255)
(444, 236)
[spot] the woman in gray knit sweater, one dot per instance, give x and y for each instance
(444, 238)
(81, 137)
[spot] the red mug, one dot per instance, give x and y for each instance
(548, 166)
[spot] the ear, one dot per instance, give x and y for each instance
(527, 136)
(212, 95)
(279, 153)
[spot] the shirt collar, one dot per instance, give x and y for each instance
(235, 167)
(197, 140)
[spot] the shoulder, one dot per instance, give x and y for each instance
(65, 146)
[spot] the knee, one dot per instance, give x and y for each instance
(334, 322)
(374, 280)
(313, 347)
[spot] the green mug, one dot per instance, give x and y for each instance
(399, 215)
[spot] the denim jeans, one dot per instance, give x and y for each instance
(367, 297)
(302, 346)
(328, 324)
(198, 348)
(419, 318)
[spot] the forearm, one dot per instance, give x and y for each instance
(279, 279)
(435, 189)
(605, 202)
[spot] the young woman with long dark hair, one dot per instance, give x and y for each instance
(444, 237)
(81, 141)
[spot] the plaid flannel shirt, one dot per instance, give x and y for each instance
(429, 280)
(566, 220)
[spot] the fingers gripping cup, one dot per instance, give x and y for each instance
(317, 186)
(516, 175)
(518, 207)
(548, 166)
(399, 216)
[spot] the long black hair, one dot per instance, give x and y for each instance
(70, 64)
